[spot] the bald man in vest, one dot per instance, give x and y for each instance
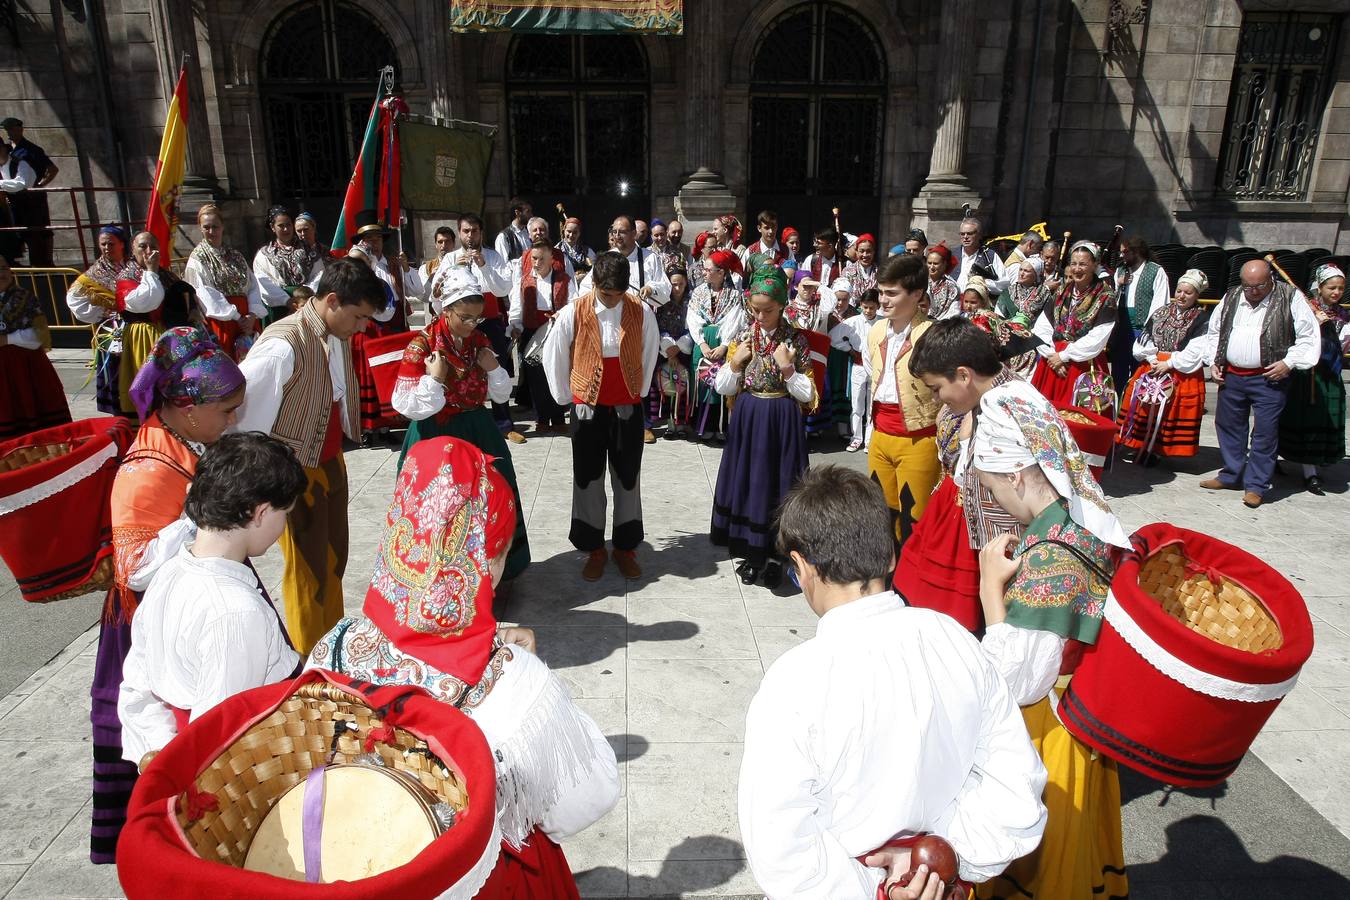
(302, 391)
(599, 358)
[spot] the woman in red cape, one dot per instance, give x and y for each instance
(428, 623)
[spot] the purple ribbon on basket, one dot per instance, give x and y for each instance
(311, 819)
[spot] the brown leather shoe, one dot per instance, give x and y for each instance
(1214, 484)
(648, 437)
(515, 437)
(627, 562)
(595, 565)
(1251, 499)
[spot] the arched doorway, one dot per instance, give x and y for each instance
(817, 108)
(320, 65)
(579, 127)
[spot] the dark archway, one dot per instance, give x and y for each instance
(817, 110)
(579, 127)
(320, 65)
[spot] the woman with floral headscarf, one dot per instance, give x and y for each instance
(944, 297)
(1165, 399)
(446, 378)
(1021, 298)
(427, 621)
(186, 395)
(1074, 325)
(716, 315)
(226, 287)
(769, 367)
(284, 264)
(1312, 426)
(1043, 602)
(92, 298)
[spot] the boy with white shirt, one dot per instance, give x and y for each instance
(850, 336)
(543, 289)
(888, 724)
(206, 629)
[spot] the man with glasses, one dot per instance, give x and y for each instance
(1260, 333)
(493, 274)
(977, 260)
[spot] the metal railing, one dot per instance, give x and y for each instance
(84, 226)
(50, 285)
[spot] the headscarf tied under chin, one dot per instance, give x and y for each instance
(187, 368)
(770, 282)
(431, 590)
(1018, 428)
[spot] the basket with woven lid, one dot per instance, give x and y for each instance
(1200, 642)
(201, 802)
(55, 507)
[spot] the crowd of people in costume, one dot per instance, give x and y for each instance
(959, 582)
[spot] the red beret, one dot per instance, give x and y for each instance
(725, 259)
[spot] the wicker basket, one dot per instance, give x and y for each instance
(22, 457)
(100, 582)
(250, 776)
(1226, 613)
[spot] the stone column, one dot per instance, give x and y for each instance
(177, 25)
(946, 191)
(704, 195)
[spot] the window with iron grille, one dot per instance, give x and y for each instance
(1281, 83)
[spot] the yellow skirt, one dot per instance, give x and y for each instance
(1081, 854)
(138, 345)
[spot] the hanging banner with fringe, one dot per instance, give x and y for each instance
(568, 16)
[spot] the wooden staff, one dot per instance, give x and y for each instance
(1111, 256)
(562, 221)
(1063, 252)
(838, 240)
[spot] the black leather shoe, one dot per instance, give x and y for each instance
(773, 575)
(749, 574)
(1314, 485)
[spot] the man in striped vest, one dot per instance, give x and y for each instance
(599, 358)
(302, 391)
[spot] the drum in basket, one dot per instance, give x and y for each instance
(1095, 435)
(384, 355)
(1200, 642)
(533, 353)
(55, 507)
(353, 803)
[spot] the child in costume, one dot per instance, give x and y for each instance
(850, 337)
(206, 629)
(769, 367)
(1043, 603)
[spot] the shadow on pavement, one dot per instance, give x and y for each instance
(695, 864)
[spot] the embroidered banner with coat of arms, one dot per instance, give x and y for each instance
(444, 167)
(568, 16)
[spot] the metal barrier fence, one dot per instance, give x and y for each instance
(85, 226)
(50, 285)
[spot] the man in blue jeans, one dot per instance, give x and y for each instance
(1260, 333)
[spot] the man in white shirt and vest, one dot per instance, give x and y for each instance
(1141, 284)
(514, 240)
(600, 357)
(1260, 332)
(888, 724)
(976, 260)
(302, 391)
(542, 291)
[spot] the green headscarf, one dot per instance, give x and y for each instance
(770, 281)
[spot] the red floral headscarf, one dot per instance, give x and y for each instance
(431, 591)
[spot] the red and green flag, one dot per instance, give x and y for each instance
(375, 178)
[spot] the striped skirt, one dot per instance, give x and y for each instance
(1178, 432)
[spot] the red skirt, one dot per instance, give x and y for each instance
(1057, 390)
(938, 568)
(537, 871)
(31, 395)
(1179, 432)
(228, 333)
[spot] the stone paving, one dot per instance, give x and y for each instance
(667, 664)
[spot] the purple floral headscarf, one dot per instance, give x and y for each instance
(187, 368)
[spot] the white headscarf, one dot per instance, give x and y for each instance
(1018, 428)
(460, 282)
(1196, 279)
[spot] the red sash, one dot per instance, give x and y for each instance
(613, 391)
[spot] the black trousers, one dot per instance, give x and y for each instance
(495, 330)
(611, 440)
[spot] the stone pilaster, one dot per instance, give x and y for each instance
(705, 195)
(946, 192)
(177, 22)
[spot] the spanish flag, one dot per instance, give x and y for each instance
(162, 218)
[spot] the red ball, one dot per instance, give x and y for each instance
(935, 853)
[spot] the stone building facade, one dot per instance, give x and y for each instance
(1197, 121)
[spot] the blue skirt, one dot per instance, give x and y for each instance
(764, 456)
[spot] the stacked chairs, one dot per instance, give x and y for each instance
(1236, 260)
(1296, 264)
(1213, 261)
(1173, 260)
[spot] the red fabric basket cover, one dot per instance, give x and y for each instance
(1097, 439)
(154, 861)
(1122, 705)
(386, 373)
(820, 357)
(54, 544)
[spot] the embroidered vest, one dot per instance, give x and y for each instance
(818, 266)
(1143, 294)
(1277, 330)
(588, 364)
(918, 406)
(307, 398)
(532, 316)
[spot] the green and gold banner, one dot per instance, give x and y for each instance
(568, 16)
(444, 168)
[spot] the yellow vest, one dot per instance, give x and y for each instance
(917, 403)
